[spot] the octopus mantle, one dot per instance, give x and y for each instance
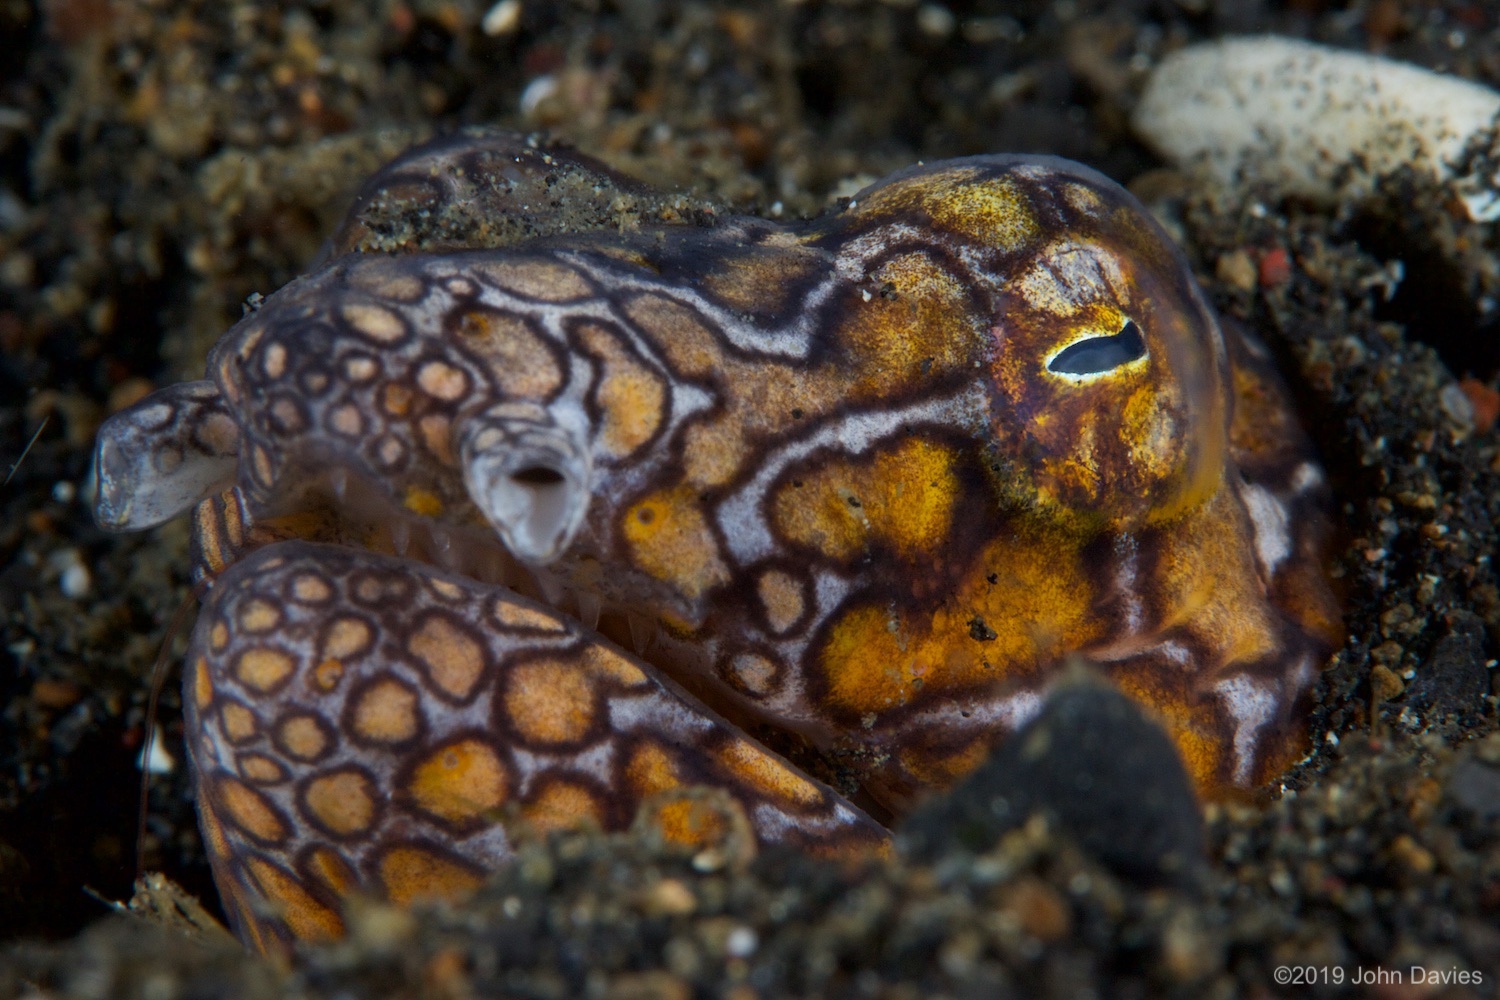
(540, 532)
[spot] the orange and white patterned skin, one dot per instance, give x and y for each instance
(867, 480)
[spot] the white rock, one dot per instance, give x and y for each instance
(159, 760)
(502, 19)
(1315, 121)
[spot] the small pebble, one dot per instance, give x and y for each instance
(1275, 268)
(741, 943)
(1459, 406)
(1236, 270)
(536, 92)
(1412, 856)
(669, 898)
(55, 694)
(74, 579)
(502, 19)
(1484, 403)
(154, 758)
(935, 20)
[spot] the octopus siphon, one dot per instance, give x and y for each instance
(539, 517)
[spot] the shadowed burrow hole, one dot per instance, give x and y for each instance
(1439, 301)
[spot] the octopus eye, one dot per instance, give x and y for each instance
(1097, 355)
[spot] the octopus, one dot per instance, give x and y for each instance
(535, 519)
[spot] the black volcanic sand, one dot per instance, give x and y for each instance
(160, 162)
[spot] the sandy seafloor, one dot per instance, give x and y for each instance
(160, 161)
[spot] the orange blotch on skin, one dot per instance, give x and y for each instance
(443, 381)
(549, 701)
(762, 279)
(940, 770)
(670, 539)
(452, 656)
(1202, 582)
(682, 822)
(382, 277)
(213, 831)
(395, 399)
(256, 615)
(423, 502)
(994, 212)
(923, 326)
(510, 614)
(1200, 735)
(691, 348)
(308, 588)
(714, 451)
(446, 589)
(781, 599)
(460, 783)
(631, 398)
(203, 684)
(1039, 606)
(346, 637)
(412, 873)
(261, 769)
(327, 674)
(343, 802)
(563, 805)
(651, 770)
(218, 636)
(376, 322)
(386, 712)
(263, 669)
(249, 810)
(327, 866)
(302, 736)
(212, 549)
(261, 466)
(603, 662)
(437, 435)
(903, 500)
(752, 673)
(546, 280)
(519, 362)
(308, 919)
(240, 724)
(767, 774)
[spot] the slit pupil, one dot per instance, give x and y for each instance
(1100, 354)
(537, 475)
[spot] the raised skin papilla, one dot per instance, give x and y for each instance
(867, 479)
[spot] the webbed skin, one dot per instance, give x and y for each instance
(867, 480)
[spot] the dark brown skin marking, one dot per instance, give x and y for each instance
(868, 478)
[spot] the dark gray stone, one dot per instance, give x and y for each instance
(1099, 768)
(1453, 681)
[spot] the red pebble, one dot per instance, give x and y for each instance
(1275, 268)
(1486, 403)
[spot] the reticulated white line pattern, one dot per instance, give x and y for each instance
(1250, 703)
(1268, 520)
(856, 255)
(741, 516)
(553, 319)
(655, 715)
(1127, 580)
(598, 762)
(1004, 712)
(793, 340)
